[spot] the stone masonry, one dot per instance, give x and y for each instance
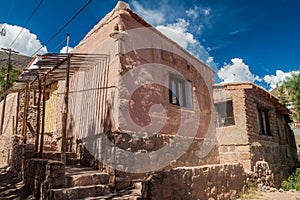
(205, 182)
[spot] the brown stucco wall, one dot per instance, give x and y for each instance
(274, 154)
(7, 138)
(233, 140)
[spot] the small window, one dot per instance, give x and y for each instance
(263, 121)
(224, 114)
(180, 92)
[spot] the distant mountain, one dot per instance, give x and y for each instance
(18, 61)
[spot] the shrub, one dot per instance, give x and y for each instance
(293, 182)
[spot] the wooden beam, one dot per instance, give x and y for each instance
(24, 127)
(65, 114)
(43, 117)
(38, 123)
(17, 113)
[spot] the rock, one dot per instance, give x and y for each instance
(292, 190)
(8, 169)
(273, 189)
(281, 190)
(259, 187)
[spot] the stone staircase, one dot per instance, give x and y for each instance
(82, 182)
(89, 184)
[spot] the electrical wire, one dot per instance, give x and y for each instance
(64, 26)
(32, 14)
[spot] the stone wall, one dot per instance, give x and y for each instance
(125, 152)
(20, 154)
(205, 182)
(40, 175)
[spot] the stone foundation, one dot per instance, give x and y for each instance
(40, 175)
(205, 182)
(21, 153)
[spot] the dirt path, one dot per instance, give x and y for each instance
(10, 188)
(287, 195)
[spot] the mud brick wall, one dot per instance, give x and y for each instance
(233, 139)
(278, 150)
(205, 182)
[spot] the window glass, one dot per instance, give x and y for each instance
(180, 92)
(224, 114)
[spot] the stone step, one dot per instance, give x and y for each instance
(132, 193)
(56, 155)
(79, 192)
(72, 161)
(49, 148)
(90, 178)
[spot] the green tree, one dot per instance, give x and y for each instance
(13, 75)
(292, 87)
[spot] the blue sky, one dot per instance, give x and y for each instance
(255, 41)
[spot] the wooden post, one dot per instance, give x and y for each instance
(24, 127)
(17, 114)
(43, 117)
(38, 122)
(65, 114)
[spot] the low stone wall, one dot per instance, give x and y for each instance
(271, 163)
(40, 175)
(20, 153)
(206, 182)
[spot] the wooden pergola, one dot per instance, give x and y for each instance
(42, 71)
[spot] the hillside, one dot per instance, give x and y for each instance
(18, 61)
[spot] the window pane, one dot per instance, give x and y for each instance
(180, 93)
(188, 93)
(225, 113)
(173, 93)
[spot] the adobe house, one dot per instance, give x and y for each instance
(128, 83)
(253, 129)
(132, 104)
(144, 90)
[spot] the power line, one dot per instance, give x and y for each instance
(34, 11)
(64, 26)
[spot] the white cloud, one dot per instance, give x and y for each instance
(26, 44)
(277, 79)
(154, 17)
(64, 49)
(205, 11)
(193, 12)
(236, 71)
(178, 32)
(209, 60)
